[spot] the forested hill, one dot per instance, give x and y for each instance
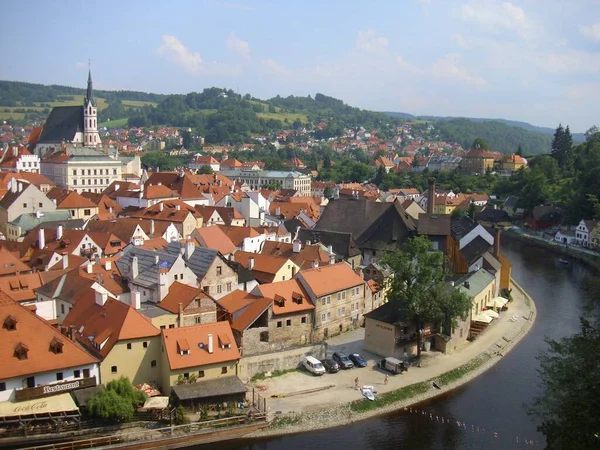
(17, 93)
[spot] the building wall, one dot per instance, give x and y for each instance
(480, 300)
(68, 374)
(279, 360)
(135, 364)
(379, 337)
(334, 314)
(30, 201)
(505, 272)
(219, 284)
(167, 320)
(459, 336)
(287, 272)
(211, 371)
(83, 176)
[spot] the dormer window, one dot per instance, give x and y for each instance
(183, 347)
(21, 351)
(56, 346)
(10, 323)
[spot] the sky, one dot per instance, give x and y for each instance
(532, 60)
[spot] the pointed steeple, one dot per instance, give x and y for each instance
(90, 92)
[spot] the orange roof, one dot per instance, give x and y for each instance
(181, 293)
(37, 336)
(238, 234)
(34, 136)
(197, 338)
(33, 178)
(289, 296)
(21, 288)
(10, 263)
(329, 279)
(304, 258)
(252, 312)
(153, 192)
(154, 244)
(265, 266)
(236, 300)
(66, 199)
(515, 159)
(215, 238)
(108, 324)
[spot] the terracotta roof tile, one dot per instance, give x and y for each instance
(289, 296)
(332, 278)
(181, 293)
(66, 199)
(35, 334)
(236, 301)
(215, 238)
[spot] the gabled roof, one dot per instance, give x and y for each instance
(11, 264)
(304, 258)
(238, 234)
(477, 282)
(461, 227)
(32, 178)
(66, 199)
(329, 279)
(181, 293)
(342, 243)
(236, 301)
(215, 238)
(148, 274)
(115, 321)
(289, 296)
(252, 312)
(475, 249)
(37, 335)
(197, 339)
(265, 266)
(434, 224)
(493, 215)
(200, 260)
(389, 313)
(546, 213)
(181, 183)
(125, 229)
(21, 288)
(62, 124)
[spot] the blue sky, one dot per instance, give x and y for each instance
(531, 60)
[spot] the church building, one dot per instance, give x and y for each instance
(71, 125)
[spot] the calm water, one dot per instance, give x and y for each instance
(494, 401)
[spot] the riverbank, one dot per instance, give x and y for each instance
(581, 255)
(448, 372)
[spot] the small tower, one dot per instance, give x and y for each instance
(91, 138)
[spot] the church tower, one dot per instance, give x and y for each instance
(91, 138)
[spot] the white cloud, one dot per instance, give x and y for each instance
(238, 46)
(405, 65)
(369, 42)
(449, 67)
(591, 31)
(176, 52)
(569, 62)
(495, 17)
(81, 65)
(274, 67)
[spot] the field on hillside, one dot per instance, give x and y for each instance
(117, 123)
(291, 117)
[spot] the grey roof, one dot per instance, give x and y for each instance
(62, 124)
(29, 221)
(462, 226)
(434, 224)
(491, 263)
(151, 311)
(342, 244)
(89, 95)
(70, 224)
(244, 275)
(89, 154)
(217, 387)
(200, 260)
(390, 313)
(147, 267)
(493, 215)
(385, 270)
(475, 249)
(546, 213)
(234, 173)
(511, 202)
(477, 281)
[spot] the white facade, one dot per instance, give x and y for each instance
(258, 179)
(582, 233)
(52, 377)
(28, 163)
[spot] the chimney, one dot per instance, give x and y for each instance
(431, 196)
(160, 206)
(134, 268)
(117, 186)
(108, 264)
(250, 263)
(59, 232)
(20, 187)
(110, 209)
(156, 259)
(136, 301)
(497, 234)
(151, 227)
(15, 151)
(210, 343)
(177, 207)
(315, 264)
(89, 268)
(467, 284)
(101, 298)
(13, 185)
(189, 249)
(41, 238)
(180, 305)
(65, 260)
(278, 211)
(297, 245)
(163, 283)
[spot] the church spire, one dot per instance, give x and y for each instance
(90, 92)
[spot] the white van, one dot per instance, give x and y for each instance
(313, 365)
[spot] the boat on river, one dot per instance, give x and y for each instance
(563, 261)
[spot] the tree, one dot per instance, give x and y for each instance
(568, 407)
(593, 130)
(328, 192)
(562, 146)
(480, 143)
(418, 287)
(206, 169)
(519, 151)
(118, 402)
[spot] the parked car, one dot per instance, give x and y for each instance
(357, 360)
(313, 365)
(330, 365)
(343, 360)
(393, 365)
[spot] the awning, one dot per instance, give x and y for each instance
(53, 404)
(159, 402)
(497, 302)
(482, 318)
(490, 312)
(210, 388)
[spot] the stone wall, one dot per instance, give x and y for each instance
(280, 360)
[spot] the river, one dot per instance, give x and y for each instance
(492, 402)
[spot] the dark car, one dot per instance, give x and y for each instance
(357, 360)
(343, 360)
(330, 365)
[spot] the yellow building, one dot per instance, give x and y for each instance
(267, 268)
(481, 287)
(595, 237)
(79, 207)
(126, 343)
(512, 163)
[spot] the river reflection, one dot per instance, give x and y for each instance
(494, 401)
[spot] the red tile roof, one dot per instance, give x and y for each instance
(329, 279)
(288, 296)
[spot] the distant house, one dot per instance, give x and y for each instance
(493, 218)
(584, 231)
(565, 237)
(542, 217)
(510, 206)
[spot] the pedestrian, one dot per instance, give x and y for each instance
(356, 383)
(385, 380)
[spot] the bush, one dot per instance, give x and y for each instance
(180, 418)
(110, 406)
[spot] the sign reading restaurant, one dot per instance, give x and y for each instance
(53, 389)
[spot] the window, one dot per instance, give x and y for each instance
(95, 172)
(186, 375)
(329, 315)
(62, 309)
(264, 336)
(114, 171)
(283, 278)
(145, 344)
(303, 319)
(288, 323)
(75, 182)
(328, 299)
(344, 295)
(113, 369)
(229, 286)
(172, 326)
(77, 373)
(24, 205)
(198, 320)
(74, 171)
(279, 324)
(39, 204)
(30, 382)
(59, 376)
(219, 289)
(323, 301)
(176, 277)
(206, 289)
(352, 307)
(89, 171)
(2, 386)
(162, 327)
(201, 374)
(153, 363)
(219, 270)
(128, 346)
(224, 370)
(86, 373)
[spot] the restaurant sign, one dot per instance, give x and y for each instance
(53, 389)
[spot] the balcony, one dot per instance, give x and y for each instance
(88, 251)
